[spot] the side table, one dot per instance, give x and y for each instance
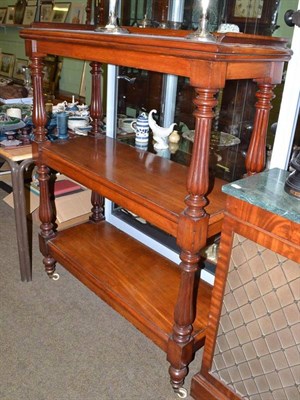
(19, 159)
(251, 346)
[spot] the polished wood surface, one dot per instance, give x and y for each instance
(129, 287)
(117, 170)
(177, 199)
(279, 234)
(173, 55)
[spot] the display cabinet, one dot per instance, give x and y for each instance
(168, 303)
(173, 97)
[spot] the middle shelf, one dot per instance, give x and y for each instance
(148, 185)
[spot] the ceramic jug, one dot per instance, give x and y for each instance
(141, 128)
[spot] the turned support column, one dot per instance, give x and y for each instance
(100, 12)
(97, 207)
(96, 101)
(39, 118)
(160, 11)
(256, 154)
(88, 11)
(96, 116)
(46, 217)
(191, 238)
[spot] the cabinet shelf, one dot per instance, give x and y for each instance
(101, 257)
(150, 186)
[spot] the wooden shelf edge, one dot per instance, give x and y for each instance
(164, 216)
(203, 389)
(153, 317)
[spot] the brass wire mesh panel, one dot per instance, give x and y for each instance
(257, 349)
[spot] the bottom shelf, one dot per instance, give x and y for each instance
(137, 282)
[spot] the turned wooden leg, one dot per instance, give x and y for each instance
(39, 116)
(96, 102)
(96, 115)
(88, 12)
(46, 218)
(191, 238)
(39, 119)
(181, 344)
(97, 210)
(256, 154)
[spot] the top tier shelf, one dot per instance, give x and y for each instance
(205, 63)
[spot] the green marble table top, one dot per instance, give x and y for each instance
(266, 190)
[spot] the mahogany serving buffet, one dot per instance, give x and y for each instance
(157, 296)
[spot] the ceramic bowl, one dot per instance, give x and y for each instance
(75, 123)
(125, 124)
(82, 107)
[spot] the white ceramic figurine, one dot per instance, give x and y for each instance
(160, 134)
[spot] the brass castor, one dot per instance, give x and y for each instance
(181, 392)
(54, 276)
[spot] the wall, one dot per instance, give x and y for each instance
(284, 30)
(71, 74)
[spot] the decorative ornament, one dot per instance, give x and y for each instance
(160, 134)
(202, 34)
(112, 24)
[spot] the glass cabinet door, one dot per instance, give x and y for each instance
(172, 96)
(132, 91)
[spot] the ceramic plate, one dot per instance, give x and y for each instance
(221, 139)
(9, 143)
(25, 108)
(7, 121)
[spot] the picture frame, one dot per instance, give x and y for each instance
(7, 62)
(51, 73)
(10, 15)
(46, 12)
(258, 17)
(18, 73)
(2, 14)
(82, 88)
(247, 9)
(29, 15)
(77, 13)
(60, 12)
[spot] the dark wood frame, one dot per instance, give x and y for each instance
(63, 13)
(12, 58)
(19, 77)
(52, 69)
